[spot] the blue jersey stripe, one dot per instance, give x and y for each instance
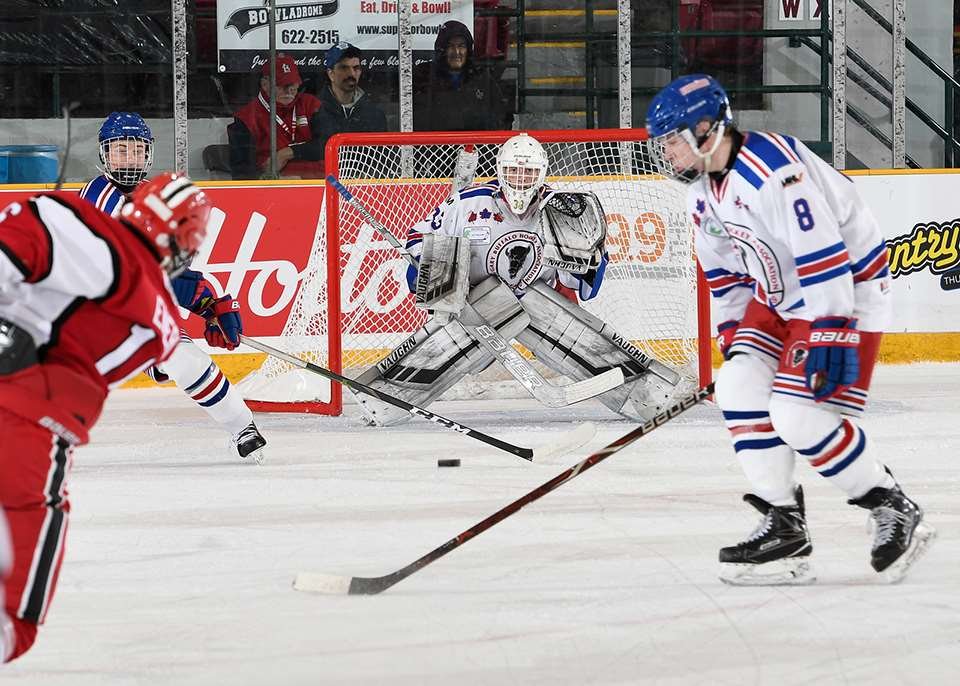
(871, 256)
(819, 254)
(848, 459)
(758, 444)
(477, 193)
(744, 414)
(747, 174)
(768, 152)
(825, 276)
(720, 292)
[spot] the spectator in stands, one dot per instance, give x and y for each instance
(452, 93)
(345, 106)
(298, 151)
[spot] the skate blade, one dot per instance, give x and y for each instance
(791, 571)
(923, 536)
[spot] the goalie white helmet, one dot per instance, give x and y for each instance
(521, 171)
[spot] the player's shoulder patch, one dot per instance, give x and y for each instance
(762, 154)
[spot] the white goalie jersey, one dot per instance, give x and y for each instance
(501, 243)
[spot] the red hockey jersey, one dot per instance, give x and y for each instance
(94, 299)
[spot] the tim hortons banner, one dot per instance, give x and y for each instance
(306, 28)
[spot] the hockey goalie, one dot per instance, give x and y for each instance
(488, 264)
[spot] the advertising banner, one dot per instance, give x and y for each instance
(261, 237)
(920, 218)
(306, 28)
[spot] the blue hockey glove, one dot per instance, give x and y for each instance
(833, 361)
(224, 325)
(725, 333)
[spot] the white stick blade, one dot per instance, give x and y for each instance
(565, 443)
(588, 388)
(329, 584)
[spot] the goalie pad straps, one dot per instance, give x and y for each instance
(442, 278)
(437, 356)
(574, 231)
(573, 342)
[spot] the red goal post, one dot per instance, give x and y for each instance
(653, 293)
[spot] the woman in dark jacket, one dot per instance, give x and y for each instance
(451, 93)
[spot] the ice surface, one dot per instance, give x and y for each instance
(180, 558)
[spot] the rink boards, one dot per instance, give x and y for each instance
(261, 241)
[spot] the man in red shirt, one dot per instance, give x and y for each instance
(250, 131)
(83, 307)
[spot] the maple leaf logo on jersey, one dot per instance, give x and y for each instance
(485, 213)
(741, 204)
(696, 219)
(497, 217)
(472, 217)
(701, 205)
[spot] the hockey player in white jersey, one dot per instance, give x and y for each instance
(126, 156)
(797, 267)
(488, 259)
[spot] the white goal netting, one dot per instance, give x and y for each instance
(648, 293)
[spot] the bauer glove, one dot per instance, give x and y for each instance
(725, 333)
(224, 325)
(833, 361)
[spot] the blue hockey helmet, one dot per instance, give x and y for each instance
(126, 148)
(678, 109)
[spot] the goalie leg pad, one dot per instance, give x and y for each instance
(573, 342)
(437, 356)
(442, 277)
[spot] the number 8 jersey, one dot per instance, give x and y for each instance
(785, 228)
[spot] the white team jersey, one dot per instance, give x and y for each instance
(500, 242)
(785, 228)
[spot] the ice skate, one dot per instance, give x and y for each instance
(249, 442)
(776, 553)
(900, 536)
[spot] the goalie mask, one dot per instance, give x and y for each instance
(673, 119)
(171, 214)
(521, 171)
(126, 148)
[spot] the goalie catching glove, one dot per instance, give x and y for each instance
(574, 231)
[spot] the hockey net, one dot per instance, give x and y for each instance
(356, 280)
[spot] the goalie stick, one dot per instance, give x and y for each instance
(313, 582)
(569, 440)
(486, 336)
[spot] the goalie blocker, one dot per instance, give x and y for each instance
(564, 337)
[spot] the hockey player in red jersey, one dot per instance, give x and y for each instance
(83, 306)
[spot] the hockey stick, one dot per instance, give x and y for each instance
(566, 442)
(359, 585)
(66, 109)
(551, 395)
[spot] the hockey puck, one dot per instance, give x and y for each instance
(448, 463)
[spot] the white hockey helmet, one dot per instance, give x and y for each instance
(521, 171)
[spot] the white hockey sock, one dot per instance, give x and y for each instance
(844, 458)
(743, 393)
(835, 446)
(196, 374)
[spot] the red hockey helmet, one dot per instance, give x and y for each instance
(171, 213)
